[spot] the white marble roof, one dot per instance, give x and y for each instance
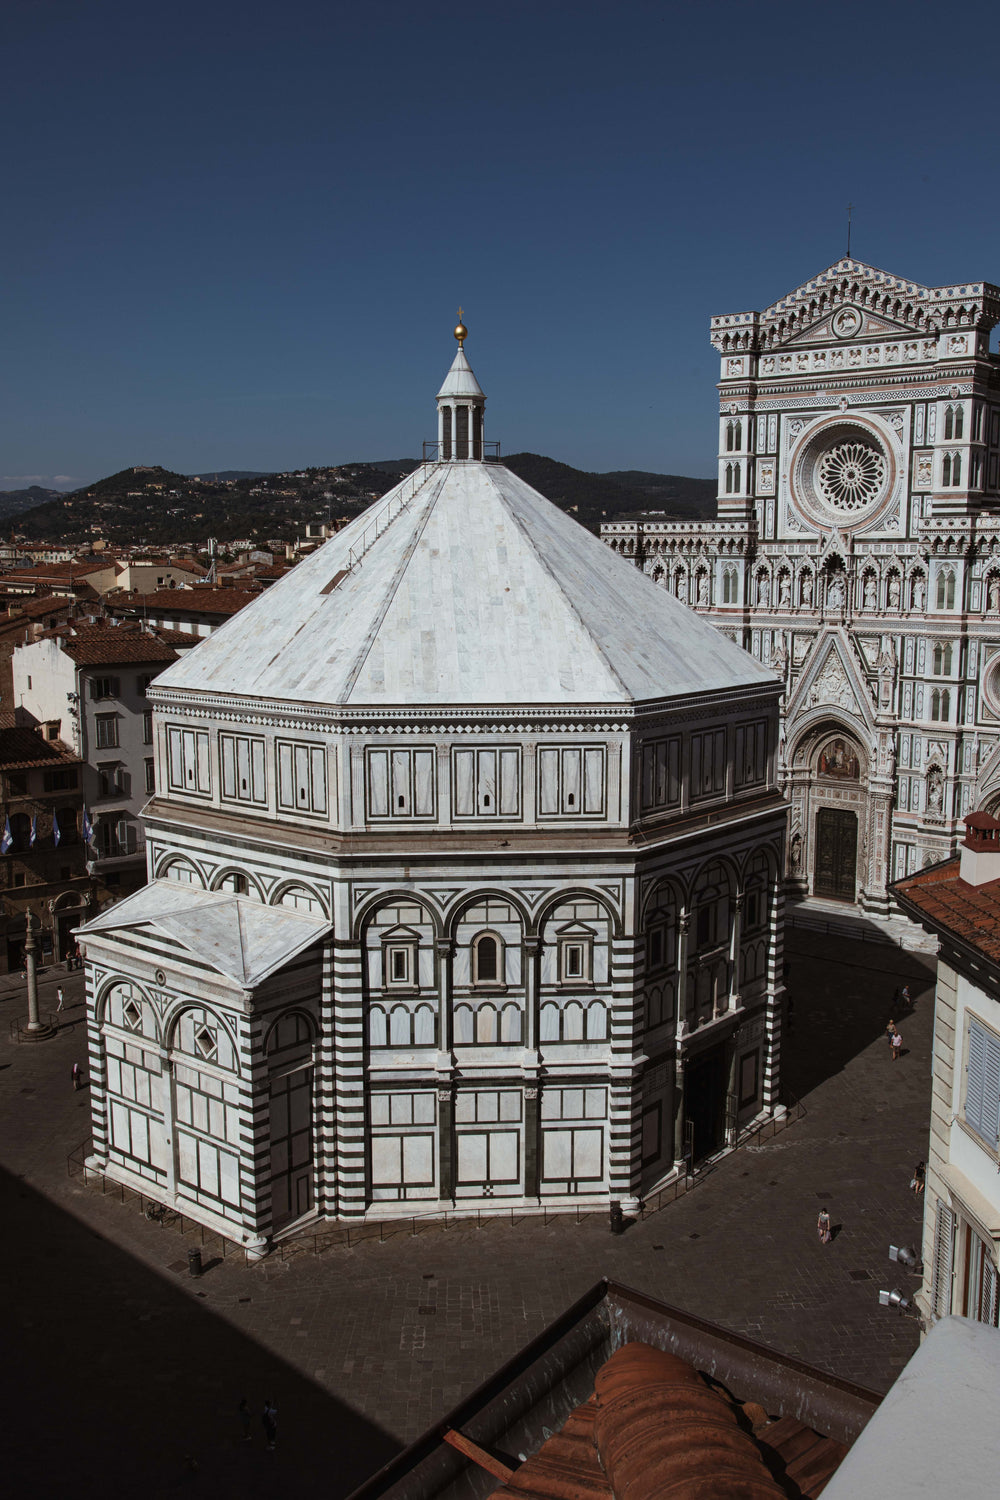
(242, 939)
(460, 381)
(478, 591)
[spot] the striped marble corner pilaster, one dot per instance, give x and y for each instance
(349, 1079)
(324, 1093)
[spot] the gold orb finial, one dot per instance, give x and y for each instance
(461, 332)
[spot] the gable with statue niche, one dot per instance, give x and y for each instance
(989, 696)
(986, 793)
(833, 679)
(845, 470)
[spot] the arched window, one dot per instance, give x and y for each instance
(959, 422)
(734, 436)
(730, 586)
(487, 959)
(956, 470)
(946, 471)
(941, 704)
(729, 479)
(946, 588)
(302, 899)
(942, 659)
(949, 425)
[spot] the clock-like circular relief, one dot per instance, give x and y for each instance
(846, 322)
(159, 976)
(842, 474)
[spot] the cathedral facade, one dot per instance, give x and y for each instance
(857, 553)
(466, 879)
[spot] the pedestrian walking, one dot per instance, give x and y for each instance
(269, 1419)
(905, 997)
(77, 1077)
(823, 1228)
(895, 1044)
(59, 997)
(246, 1417)
(917, 1180)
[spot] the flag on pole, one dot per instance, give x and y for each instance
(88, 829)
(34, 831)
(7, 839)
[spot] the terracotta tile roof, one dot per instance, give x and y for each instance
(42, 604)
(197, 600)
(949, 903)
(655, 1428)
(97, 645)
(21, 749)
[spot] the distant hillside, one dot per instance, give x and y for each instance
(150, 504)
(13, 502)
(593, 498)
(676, 495)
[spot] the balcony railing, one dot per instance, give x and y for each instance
(437, 452)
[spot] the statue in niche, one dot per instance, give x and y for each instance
(795, 853)
(807, 588)
(784, 589)
(918, 591)
(835, 591)
(702, 588)
(839, 760)
(870, 597)
(935, 790)
(893, 591)
(763, 590)
(993, 593)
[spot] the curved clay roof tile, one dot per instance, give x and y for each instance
(662, 1434)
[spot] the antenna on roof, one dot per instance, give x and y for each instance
(850, 211)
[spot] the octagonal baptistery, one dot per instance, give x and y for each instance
(463, 879)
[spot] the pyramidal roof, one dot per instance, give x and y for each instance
(464, 586)
(240, 938)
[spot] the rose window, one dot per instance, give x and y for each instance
(850, 475)
(842, 473)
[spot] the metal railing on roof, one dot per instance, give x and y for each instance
(383, 518)
(482, 452)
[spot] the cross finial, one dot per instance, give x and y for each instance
(461, 332)
(850, 211)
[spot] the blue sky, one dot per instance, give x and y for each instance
(236, 234)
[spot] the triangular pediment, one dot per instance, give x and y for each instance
(824, 332)
(833, 679)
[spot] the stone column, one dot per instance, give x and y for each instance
(446, 1145)
(36, 1030)
(532, 1142)
(531, 958)
(734, 952)
(678, 1103)
(683, 931)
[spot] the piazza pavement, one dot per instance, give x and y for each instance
(122, 1374)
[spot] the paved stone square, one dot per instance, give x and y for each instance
(124, 1374)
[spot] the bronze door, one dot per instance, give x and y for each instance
(836, 854)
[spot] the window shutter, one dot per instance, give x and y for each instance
(975, 1078)
(944, 1251)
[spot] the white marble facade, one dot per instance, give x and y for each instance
(857, 553)
(466, 874)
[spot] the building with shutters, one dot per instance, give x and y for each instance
(959, 901)
(88, 682)
(465, 879)
(857, 553)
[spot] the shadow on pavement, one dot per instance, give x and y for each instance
(841, 994)
(119, 1384)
